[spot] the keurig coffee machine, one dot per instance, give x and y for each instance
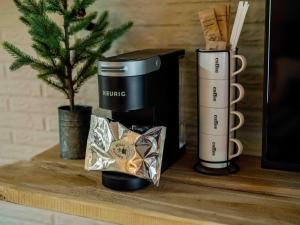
(140, 90)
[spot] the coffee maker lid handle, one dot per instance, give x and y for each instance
(128, 68)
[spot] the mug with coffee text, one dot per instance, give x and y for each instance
(215, 121)
(215, 152)
(219, 65)
(214, 93)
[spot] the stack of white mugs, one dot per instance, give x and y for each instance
(218, 95)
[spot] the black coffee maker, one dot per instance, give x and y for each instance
(141, 89)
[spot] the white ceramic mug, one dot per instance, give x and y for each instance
(215, 121)
(214, 149)
(216, 64)
(214, 93)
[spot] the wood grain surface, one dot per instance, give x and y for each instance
(252, 196)
(175, 24)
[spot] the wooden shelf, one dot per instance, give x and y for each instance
(252, 196)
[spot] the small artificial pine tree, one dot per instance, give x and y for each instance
(61, 64)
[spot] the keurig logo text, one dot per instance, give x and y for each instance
(217, 65)
(114, 93)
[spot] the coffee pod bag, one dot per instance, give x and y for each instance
(113, 147)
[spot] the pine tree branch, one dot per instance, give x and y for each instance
(43, 29)
(82, 23)
(82, 4)
(57, 72)
(95, 37)
(80, 80)
(113, 35)
(84, 73)
(86, 3)
(45, 51)
(65, 5)
(90, 41)
(30, 7)
(24, 20)
(43, 67)
(78, 56)
(21, 58)
(98, 36)
(54, 6)
(18, 63)
(84, 69)
(22, 7)
(14, 51)
(37, 8)
(101, 23)
(54, 84)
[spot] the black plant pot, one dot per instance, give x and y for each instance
(73, 131)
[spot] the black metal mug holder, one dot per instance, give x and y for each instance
(232, 167)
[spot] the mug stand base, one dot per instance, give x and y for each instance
(232, 168)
